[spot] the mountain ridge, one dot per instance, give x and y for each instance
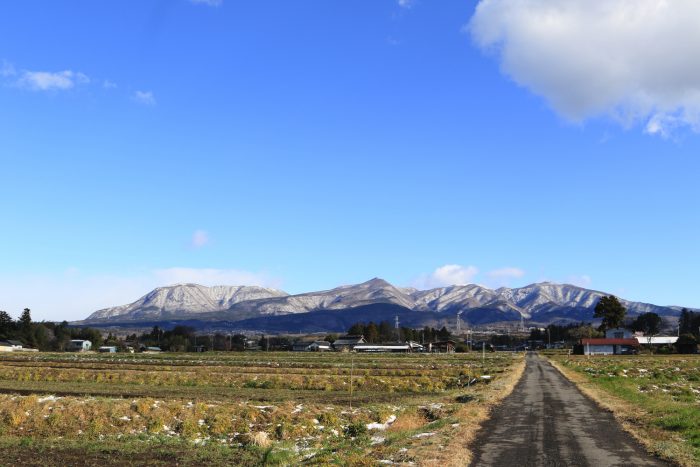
(537, 303)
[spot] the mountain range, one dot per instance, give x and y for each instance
(265, 309)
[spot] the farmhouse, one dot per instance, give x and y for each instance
(348, 343)
(618, 333)
(301, 346)
(79, 345)
(10, 346)
(319, 346)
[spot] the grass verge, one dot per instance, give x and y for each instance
(666, 426)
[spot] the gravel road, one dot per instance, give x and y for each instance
(547, 421)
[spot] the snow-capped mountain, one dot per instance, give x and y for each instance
(538, 303)
(185, 299)
(347, 296)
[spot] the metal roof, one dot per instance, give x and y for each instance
(611, 341)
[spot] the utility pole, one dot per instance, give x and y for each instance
(352, 367)
(396, 326)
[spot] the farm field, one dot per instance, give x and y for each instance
(657, 397)
(247, 408)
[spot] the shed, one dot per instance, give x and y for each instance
(657, 340)
(107, 349)
(609, 346)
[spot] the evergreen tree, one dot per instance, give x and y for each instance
(25, 321)
(611, 311)
(357, 329)
(685, 321)
(7, 325)
(25, 328)
(648, 323)
(372, 333)
(386, 332)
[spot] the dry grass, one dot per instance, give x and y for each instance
(633, 419)
(408, 421)
(253, 403)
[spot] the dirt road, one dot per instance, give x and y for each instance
(547, 421)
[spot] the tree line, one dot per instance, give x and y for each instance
(385, 332)
(44, 335)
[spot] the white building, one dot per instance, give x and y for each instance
(10, 346)
(79, 345)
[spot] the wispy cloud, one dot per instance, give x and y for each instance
(406, 3)
(107, 84)
(449, 274)
(199, 239)
(214, 3)
(145, 97)
(615, 58)
(50, 81)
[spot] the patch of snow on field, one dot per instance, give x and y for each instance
(48, 399)
(424, 435)
(382, 426)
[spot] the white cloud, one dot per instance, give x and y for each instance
(199, 238)
(406, 3)
(73, 295)
(145, 97)
(49, 81)
(208, 2)
(631, 60)
(449, 274)
(107, 84)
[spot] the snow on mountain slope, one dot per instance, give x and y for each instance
(187, 299)
(347, 296)
(547, 300)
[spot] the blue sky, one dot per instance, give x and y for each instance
(304, 145)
